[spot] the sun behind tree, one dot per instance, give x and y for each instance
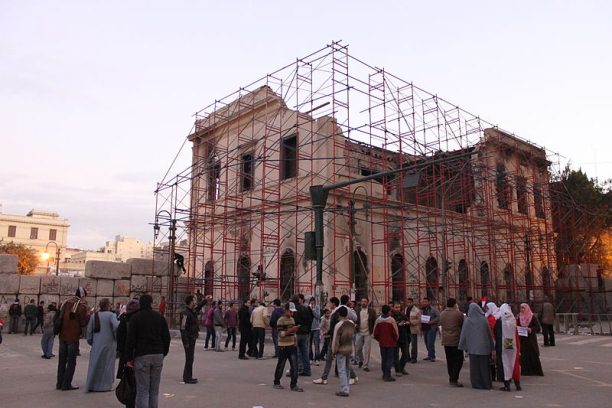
(28, 258)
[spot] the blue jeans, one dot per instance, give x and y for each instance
(387, 357)
(343, 362)
(66, 364)
(303, 343)
(148, 370)
(430, 342)
(315, 344)
(46, 344)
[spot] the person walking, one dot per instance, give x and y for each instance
(287, 349)
(342, 348)
(315, 331)
(31, 313)
(477, 341)
(276, 314)
(366, 318)
(14, 314)
(190, 331)
(101, 334)
(451, 321)
(548, 319)
(430, 317)
(507, 348)
(219, 323)
(73, 313)
(46, 342)
(259, 322)
(123, 370)
(414, 317)
(148, 342)
(231, 324)
(210, 326)
(386, 333)
(245, 327)
(528, 326)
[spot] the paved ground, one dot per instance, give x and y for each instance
(577, 373)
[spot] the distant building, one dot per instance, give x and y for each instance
(39, 230)
(124, 248)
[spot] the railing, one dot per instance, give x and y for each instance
(574, 323)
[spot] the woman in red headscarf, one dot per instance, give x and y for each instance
(528, 325)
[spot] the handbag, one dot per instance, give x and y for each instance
(126, 389)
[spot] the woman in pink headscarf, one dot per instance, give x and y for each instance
(528, 325)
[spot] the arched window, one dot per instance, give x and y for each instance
(244, 277)
(398, 282)
(287, 275)
(209, 273)
(360, 262)
(432, 278)
(546, 281)
(485, 279)
(464, 280)
(509, 282)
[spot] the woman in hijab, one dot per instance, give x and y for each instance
(101, 331)
(492, 315)
(530, 353)
(507, 347)
(477, 341)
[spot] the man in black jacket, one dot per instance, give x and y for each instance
(245, 327)
(190, 330)
(148, 342)
(303, 319)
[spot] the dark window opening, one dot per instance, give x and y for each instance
(432, 278)
(244, 277)
(521, 194)
(289, 157)
(247, 171)
(214, 181)
(485, 279)
(398, 290)
(509, 282)
(538, 202)
(502, 187)
(12, 231)
(52, 234)
(34, 233)
(209, 273)
(360, 262)
(464, 280)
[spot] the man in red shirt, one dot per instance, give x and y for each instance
(386, 333)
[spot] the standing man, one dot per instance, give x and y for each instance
(148, 342)
(366, 318)
(547, 320)
(15, 314)
(386, 333)
(451, 320)
(231, 324)
(430, 318)
(303, 318)
(40, 316)
(73, 313)
(342, 348)
(401, 354)
(276, 314)
(259, 321)
(219, 323)
(413, 313)
(245, 327)
(190, 330)
(31, 313)
(286, 348)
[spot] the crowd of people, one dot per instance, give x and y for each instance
(500, 345)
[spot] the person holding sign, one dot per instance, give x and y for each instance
(528, 326)
(430, 318)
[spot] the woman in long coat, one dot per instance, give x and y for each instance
(101, 331)
(508, 349)
(530, 353)
(477, 341)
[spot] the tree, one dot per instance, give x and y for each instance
(28, 258)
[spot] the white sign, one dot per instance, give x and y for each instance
(523, 331)
(425, 319)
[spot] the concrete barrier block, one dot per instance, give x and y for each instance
(9, 284)
(141, 266)
(154, 283)
(29, 284)
(25, 299)
(49, 285)
(68, 285)
(8, 263)
(107, 270)
(122, 288)
(48, 299)
(105, 287)
(138, 284)
(90, 285)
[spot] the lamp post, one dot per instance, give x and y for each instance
(353, 222)
(46, 256)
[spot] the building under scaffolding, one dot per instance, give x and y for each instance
(468, 214)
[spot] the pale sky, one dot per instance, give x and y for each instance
(96, 97)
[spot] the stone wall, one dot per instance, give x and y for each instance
(117, 281)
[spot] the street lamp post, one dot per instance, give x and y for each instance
(46, 256)
(353, 223)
